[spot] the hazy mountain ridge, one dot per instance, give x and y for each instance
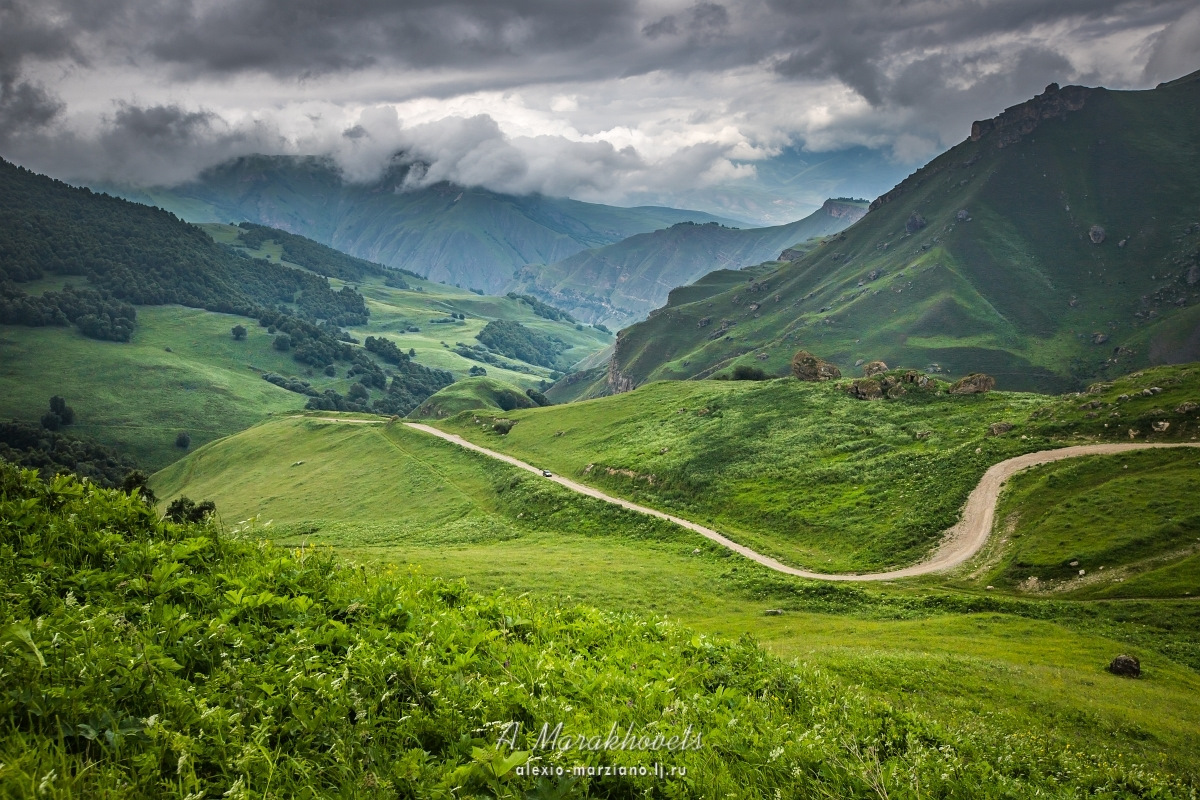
(621, 283)
(1056, 245)
(470, 237)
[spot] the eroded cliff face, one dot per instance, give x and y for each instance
(1019, 121)
(842, 210)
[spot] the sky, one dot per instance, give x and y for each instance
(611, 101)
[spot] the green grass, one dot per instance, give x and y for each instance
(808, 474)
(799, 471)
(1030, 670)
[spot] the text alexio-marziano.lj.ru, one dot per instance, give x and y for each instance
(555, 740)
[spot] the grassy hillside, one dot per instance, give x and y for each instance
(621, 283)
(470, 237)
(1048, 258)
(809, 474)
(1058, 526)
(473, 394)
(182, 371)
(1006, 673)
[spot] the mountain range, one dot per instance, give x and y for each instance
(468, 237)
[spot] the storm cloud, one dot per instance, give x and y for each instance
(600, 99)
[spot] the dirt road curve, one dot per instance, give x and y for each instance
(958, 545)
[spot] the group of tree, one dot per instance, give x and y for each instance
(544, 310)
(410, 385)
(51, 453)
(317, 257)
(59, 414)
(131, 255)
(514, 340)
(97, 313)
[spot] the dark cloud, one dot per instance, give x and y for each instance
(858, 42)
(312, 37)
(24, 108)
(701, 88)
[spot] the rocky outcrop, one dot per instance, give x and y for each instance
(999, 428)
(617, 382)
(920, 380)
(873, 368)
(807, 367)
(1017, 122)
(865, 389)
(839, 209)
(975, 383)
(1097, 233)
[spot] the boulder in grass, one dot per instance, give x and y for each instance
(808, 367)
(999, 428)
(1125, 665)
(975, 383)
(874, 368)
(865, 389)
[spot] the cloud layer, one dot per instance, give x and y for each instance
(600, 99)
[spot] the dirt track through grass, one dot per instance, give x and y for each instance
(959, 544)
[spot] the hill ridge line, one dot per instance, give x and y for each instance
(959, 543)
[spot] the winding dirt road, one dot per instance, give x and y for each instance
(958, 545)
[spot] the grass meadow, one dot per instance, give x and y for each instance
(1029, 668)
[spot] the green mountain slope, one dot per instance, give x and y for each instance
(1060, 243)
(621, 283)
(473, 238)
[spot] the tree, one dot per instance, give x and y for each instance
(184, 509)
(137, 481)
(183, 440)
(282, 343)
(747, 372)
(51, 421)
(358, 392)
(239, 332)
(65, 413)
(412, 352)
